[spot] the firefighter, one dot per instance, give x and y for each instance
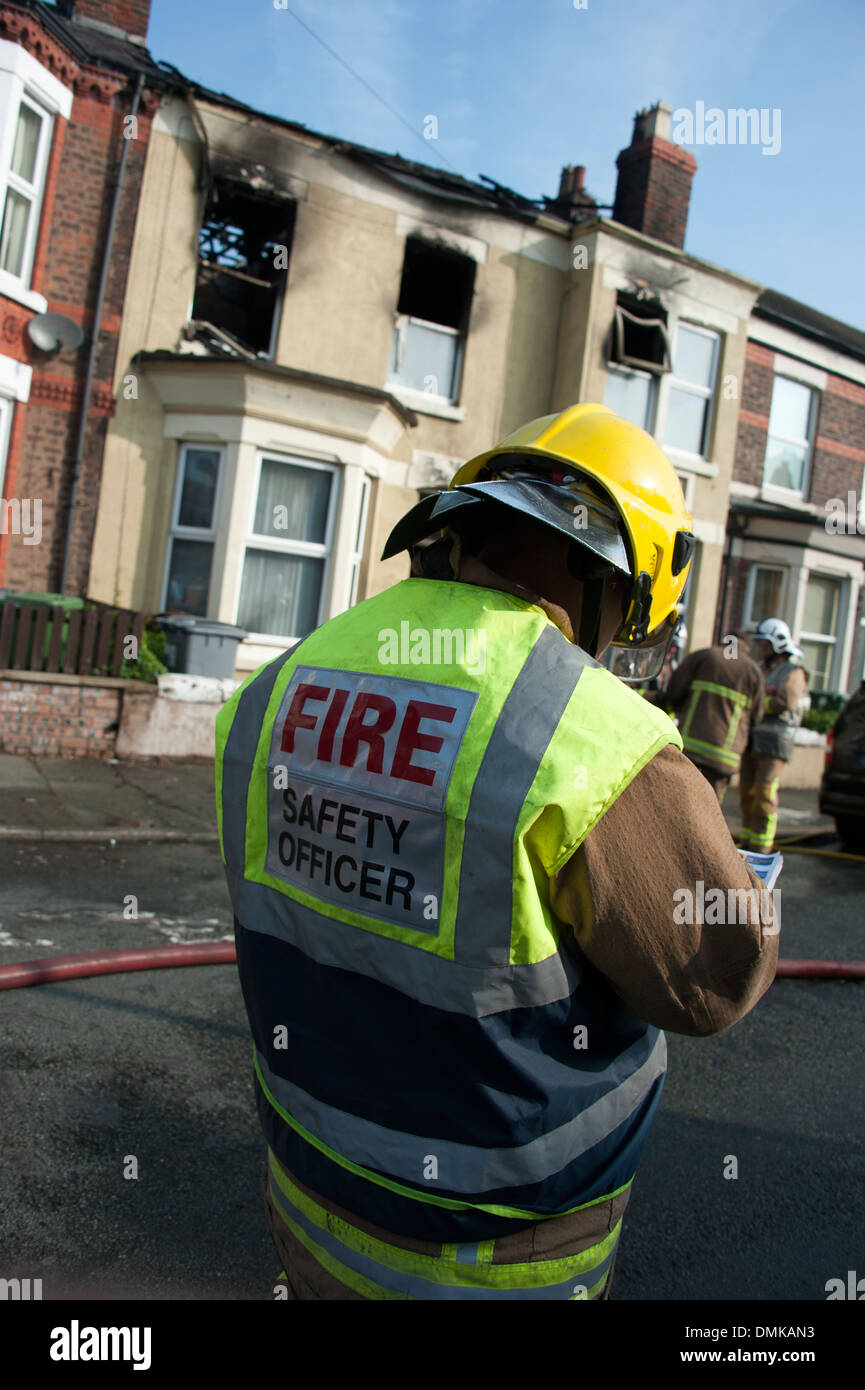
(453, 842)
(772, 741)
(717, 693)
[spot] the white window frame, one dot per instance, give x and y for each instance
(687, 482)
(706, 393)
(821, 638)
(772, 489)
(193, 533)
(748, 619)
(654, 379)
(33, 192)
(254, 541)
(22, 78)
(360, 537)
(402, 325)
(15, 380)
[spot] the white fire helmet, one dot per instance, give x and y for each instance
(778, 635)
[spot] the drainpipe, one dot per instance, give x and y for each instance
(94, 341)
(737, 526)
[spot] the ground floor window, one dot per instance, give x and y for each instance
(190, 548)
(818, 635)
(766, 595)
(287, 548)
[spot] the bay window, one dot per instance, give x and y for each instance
(819, 630)
(766, 594)
(193, 531)
(287, 547)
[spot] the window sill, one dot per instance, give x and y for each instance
(12, 288)
(785, 497)
(425, 403)
(690, 463)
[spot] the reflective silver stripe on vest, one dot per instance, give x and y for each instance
(415, 1286)
(520, 739)
(430, 979)
(237, 758)
(467, 1168)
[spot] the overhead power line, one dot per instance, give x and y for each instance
(386, 104)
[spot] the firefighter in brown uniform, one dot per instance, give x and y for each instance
(455, 1104)
(771, 745)
(717, 694)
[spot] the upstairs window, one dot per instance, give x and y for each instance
(639, 355)
(631, 395)
(432, 320)
(243, 251)
(791, 435)
(691, 390)
(24, 184)
(640, 334)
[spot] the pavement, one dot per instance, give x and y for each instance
(131, 1149)
(90, 799)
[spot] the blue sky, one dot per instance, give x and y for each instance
(521, 87)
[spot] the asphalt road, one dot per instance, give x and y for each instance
(156, 1066)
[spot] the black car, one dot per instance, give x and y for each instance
(842, 790)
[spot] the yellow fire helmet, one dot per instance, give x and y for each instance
(607, 485)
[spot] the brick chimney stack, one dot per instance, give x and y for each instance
(654, 187)
(126, 17)
(572, 200)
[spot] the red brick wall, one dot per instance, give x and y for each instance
(129, 15)
(839, 453)
(58, 721)
(74, 220)
(734, 607)
(839, 457)
(654, 189)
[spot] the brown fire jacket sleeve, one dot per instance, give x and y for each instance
(663, 834)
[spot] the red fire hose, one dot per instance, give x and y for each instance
(819, 969)
(54, 968)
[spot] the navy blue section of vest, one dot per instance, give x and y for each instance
(361, 1046)
(407, 1216)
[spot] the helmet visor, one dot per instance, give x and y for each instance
(633, 665)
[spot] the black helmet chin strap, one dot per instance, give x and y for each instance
(590, 615)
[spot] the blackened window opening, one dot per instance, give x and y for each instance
(437, 284)
(243, 251)
(639, 335)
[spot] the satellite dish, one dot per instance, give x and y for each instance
(55, 333)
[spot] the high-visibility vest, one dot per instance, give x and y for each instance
(775, 735)
(432, 1052)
